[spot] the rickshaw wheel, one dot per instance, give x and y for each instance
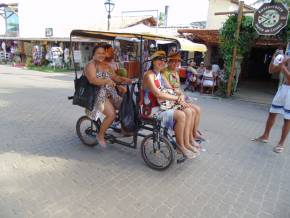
(87, 130)
(158, 157)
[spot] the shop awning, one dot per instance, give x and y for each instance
(212, 37)
(113, 35)
(187, 45)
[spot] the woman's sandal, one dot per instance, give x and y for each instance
(103, 145)
(278, 149)
(198, 147)
(193, 149)
(199, 137)
(189, 154)
(259, 139)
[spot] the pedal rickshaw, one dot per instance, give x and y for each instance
(158, 146)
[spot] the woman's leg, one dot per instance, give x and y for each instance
(188, 126)
(110, 114)
(193, 145)
(196, 120)
(180, 118)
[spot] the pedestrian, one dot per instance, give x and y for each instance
(281, 102)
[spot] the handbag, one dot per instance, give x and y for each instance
(168, 104)
(85, 93)
(127, 112)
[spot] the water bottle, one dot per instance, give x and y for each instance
(278, 59)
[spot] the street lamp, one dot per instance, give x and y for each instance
(109, 5)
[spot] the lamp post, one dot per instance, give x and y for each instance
(109, 5)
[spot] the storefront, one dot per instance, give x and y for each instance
(11, 51)
(254, 67)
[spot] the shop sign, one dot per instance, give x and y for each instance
(48, 32)
(77, 56)
(270, 18)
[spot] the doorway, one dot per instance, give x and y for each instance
(256, 84)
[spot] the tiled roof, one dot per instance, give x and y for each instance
(211, 37)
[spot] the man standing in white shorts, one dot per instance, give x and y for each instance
(281, 102)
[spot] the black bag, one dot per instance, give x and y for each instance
(127, 113)
(85, 93)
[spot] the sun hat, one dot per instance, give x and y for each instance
(157, 55)
(174, 56)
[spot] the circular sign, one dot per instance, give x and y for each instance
(270, 18)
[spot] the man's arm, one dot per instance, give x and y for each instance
(285, 70)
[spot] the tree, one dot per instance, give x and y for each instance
(161, 19)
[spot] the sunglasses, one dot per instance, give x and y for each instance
(161, 59)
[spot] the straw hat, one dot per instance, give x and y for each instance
(158, 54)
(174, 57)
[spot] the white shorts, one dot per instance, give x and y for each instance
(281, 102)
(208, 83)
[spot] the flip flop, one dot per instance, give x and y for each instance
(199, 147)
(189, 154)
(195, 150)
(278, 149)
(260, 140)
(103, 145)
(200, 139)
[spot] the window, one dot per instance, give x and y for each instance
(12, 23)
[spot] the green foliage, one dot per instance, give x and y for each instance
(246, 39)
(229, 41)
(285, 33)
(49, 69)
(28, 62)
(161, 19)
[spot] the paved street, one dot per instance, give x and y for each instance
(45, 171)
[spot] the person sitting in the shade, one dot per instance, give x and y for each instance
(191, 76)
(208, 77)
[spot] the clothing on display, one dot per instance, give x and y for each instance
(55, 56)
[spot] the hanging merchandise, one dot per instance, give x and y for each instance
(2, 52)
(66, 57)
(55, 56)
(36, 55)
(3, 46)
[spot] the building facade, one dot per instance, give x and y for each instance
(36, 18)
(216, 21)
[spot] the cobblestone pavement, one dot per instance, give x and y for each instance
(45, 171)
